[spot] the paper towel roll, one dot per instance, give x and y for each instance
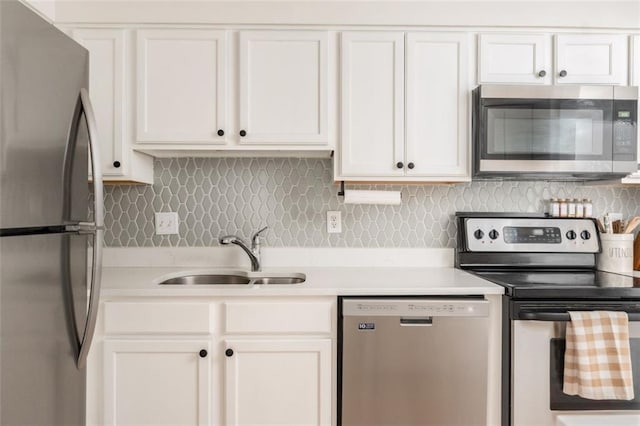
(359, 196)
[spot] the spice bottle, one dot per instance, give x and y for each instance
(579, 208)
(587, 207)
(554, 207)
(571, 207)
(563, 207)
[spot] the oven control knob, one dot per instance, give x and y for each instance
(571, 235)
(478, 234)
(493, 234)
(585, 235)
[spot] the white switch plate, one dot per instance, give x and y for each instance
(334, 222)
(166, 223)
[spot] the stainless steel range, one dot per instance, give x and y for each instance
(548, 268)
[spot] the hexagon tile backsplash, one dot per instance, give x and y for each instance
(219, 196)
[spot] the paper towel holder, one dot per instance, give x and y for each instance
(341, 191)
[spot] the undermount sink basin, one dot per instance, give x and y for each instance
(297, 279)
(235, 278)
(208, 279)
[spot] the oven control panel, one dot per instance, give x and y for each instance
(532, 235)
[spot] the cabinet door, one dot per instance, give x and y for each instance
(372, 135)
(106, 87)
(437, 105)
(591, 59)
(283, 382)
(635, 70)
(157, 382)
(181, 86)
(283, 87)
(635, 60)
(514, 58)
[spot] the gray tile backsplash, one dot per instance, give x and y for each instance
(217, 196)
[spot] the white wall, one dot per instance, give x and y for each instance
(45, 8)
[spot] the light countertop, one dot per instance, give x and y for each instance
(320, 281)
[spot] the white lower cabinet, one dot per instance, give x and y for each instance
(222, 361)
(278, 382)
(157, 382)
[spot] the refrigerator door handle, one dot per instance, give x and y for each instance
(83, 228)
(96, 165)
(97, 227)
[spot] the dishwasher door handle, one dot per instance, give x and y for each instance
(416, 322)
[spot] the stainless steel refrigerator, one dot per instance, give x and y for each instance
(50, 252)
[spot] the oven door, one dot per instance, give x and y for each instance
(537, 362)
(518, 136)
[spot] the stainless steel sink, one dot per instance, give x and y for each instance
(280, 279)
(235, 278)
(211, 279)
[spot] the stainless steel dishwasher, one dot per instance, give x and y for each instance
(413, 361)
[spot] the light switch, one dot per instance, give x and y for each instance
(166, 223)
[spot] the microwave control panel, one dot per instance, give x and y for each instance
(531, 235)
(624, 130)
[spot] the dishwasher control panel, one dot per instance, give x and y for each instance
(416, 307)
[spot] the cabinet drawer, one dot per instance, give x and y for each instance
(276, 317)
(165, 318)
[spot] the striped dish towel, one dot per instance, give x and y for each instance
(597, 360)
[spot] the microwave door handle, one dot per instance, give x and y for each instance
(97, 229)
(559, 316)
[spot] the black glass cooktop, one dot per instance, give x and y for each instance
(581, 284)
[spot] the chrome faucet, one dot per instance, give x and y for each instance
(253, 252)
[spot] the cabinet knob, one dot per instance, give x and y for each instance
(243, 133)
(203, 353)
(229, 352)
(220, 132)
(411, 165)
(542, 73)
(399, 165)
(116, 164)
(563, 73)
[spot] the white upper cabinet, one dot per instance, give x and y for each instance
(437, 105)
(202, 91)
(181, 86)
(380, 139)
(635, 60)
(372, 78)
(283, 87)
(527, 59)
(108, 89)
(514, 58)
(591, 58)
(635, 70)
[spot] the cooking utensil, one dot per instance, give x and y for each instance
(633, 223)
(616, 226)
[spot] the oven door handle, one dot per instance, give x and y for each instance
(560, 316)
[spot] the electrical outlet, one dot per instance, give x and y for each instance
(334, 222)
(166, 223)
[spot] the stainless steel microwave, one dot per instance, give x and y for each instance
(554, 132)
